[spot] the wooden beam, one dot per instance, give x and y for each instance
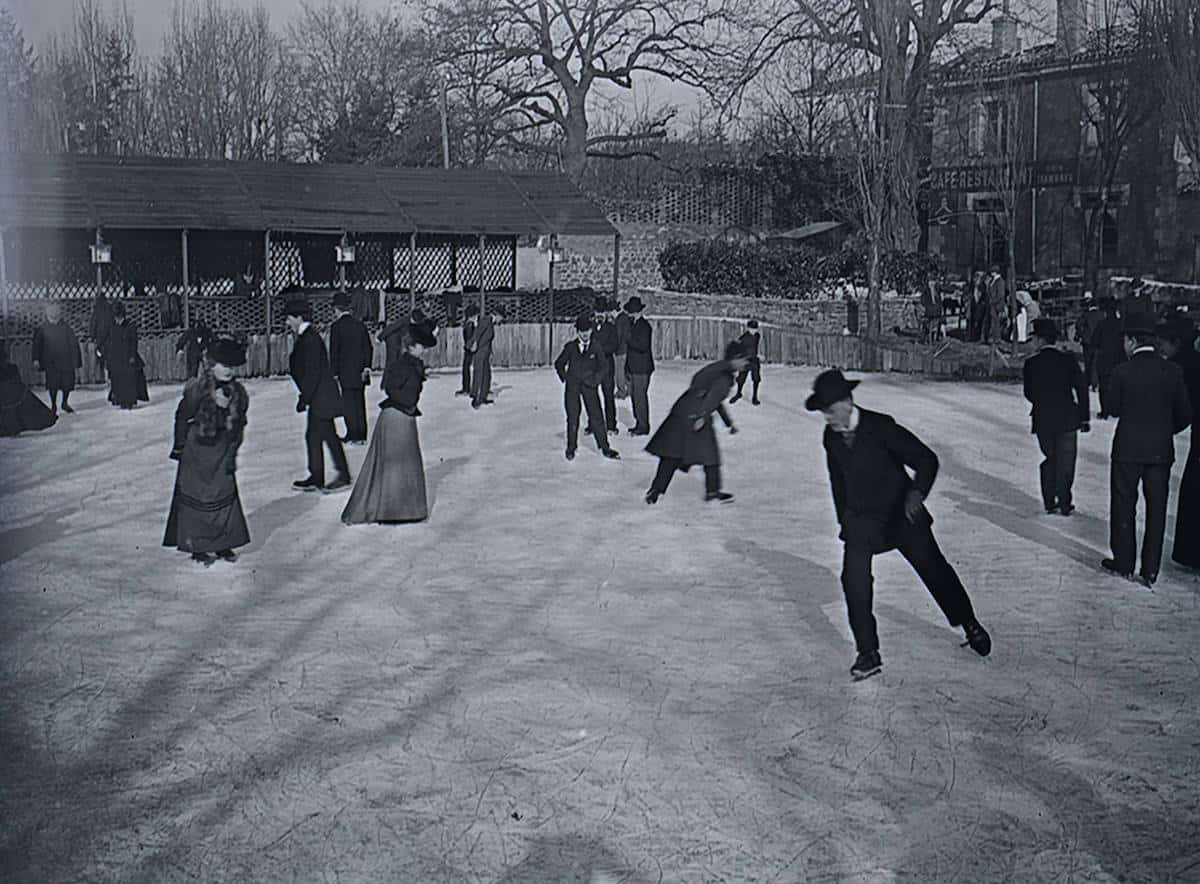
(186, 279)
(617, 267)
(267, 293)
(412, 273)
(99, 267)
(4, 280)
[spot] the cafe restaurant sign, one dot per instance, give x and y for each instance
(1043, 173)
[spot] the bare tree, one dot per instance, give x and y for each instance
(1175, 26)
(16, 86)
(551, 60)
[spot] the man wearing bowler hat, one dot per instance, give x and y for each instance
(1058, 391)
(319, 396)
(350, 354)
(639, 365)
(1149, 398)
(880, 508)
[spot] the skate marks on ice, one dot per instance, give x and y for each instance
(50, 527)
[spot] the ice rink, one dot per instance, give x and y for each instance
(550, 680)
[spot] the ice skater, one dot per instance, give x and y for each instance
(1149, 398)
(56, 353)
(1056, 387)
(481, 361)
(1177, 342)
(604, 331)
(581, 368)
(350, 355)
(320, 397)
(20, 409)
(127, 382)
(190, 347)
(391, 483)
(206, 517)
(686, 438)
(750, 340)
(639, 365)
(470, 321)
(881, 508)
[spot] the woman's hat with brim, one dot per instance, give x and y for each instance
(227, 351)
(829, 387)
(421, 334)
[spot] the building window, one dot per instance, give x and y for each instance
(997, 120)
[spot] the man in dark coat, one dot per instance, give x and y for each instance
(125, 369)
(470, 322)
(350, 354)
(1138, 302)
(686, 438)
(320, 397)
(191, 346)
(605, 335)
(623, 323)
(1149, 398)
(880, 508)
(997, 303)
(481, 361)
(1085, 328)
(56, 352)
(1108, 340)
(101, 325)
(639, 365)
(750, 340)
(1061, 408)
(1177, 342)
(581, 367)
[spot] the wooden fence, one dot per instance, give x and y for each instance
(529, 345)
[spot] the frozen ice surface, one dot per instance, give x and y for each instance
(552, 681)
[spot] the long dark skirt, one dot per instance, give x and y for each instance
(20, 409)
(391, 483)
(206, 511)
(1187, 521)
(124, 385)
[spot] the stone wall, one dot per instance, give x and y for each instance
(822, 316)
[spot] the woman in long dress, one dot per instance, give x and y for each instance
(20, 409)
(686, 438)
(391, 483)
(1180, 339)
(206, 516)
(124, 363)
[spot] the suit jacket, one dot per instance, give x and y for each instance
(749, 340)
(1055, 385)
(870, 480)
(350, 351)
(623, 323)
(639, 357)
(1087, 324)
(580, 369)
(309, 367)
(678, 436)
(606, 337)
(1109, 341)
(469, 333)
(485, 333)
(1150, 398)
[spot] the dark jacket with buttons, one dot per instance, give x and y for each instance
(402, 381)
(580, 369)
(1054, 383)
(1150, 398)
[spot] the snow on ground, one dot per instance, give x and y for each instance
(551, 681)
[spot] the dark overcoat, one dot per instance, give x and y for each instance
(578, 369)
(1150, 399)
(677, 436)
(125, 365)
(639, 355)
(56, 350)
(1055, 385)
(1109, 341)
(870, 480)
(350, 351)
(309, 367)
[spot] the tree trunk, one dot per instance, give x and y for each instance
(574, 156)
(1091, 251)
(874, 324)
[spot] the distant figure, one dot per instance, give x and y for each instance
(191, 346)
(1149, 397)
(750, 340)
(20, 409)
(100, 325)
(604, 332)
(997, 301)
(391, 484)
(880, 508)
(1138, 302)
(979, 317)
(126, 376)
(350, 355)
(686, 438)
(931, 310)
(1085, 328)
(56, 353)
(470, 322)
(245, 285)
(1061, 408)
(481, 364)
(1108, 340)
(624, 323)
(320, 397)
(581, 368)
(206, 517)
(639, 365)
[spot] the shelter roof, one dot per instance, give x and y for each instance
(69, 191)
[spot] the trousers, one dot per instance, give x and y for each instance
(575, 396)
(354, 405)
(1057, 470)
(668, 466)
(639, 391)
(1155, 479)
(321, 431)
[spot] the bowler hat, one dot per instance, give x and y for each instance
(829, 387)
(634, 305)
(1046, 329)
(341, 299)
(298, 307)
(583, 323)
(1139, 324)
(753, 323)
(227, 351)
(422, 334)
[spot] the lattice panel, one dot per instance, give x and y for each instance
(468, 264)
(229, 314)
(498, 264)
(373, 266)
(216, 259)
(145, 259)
(570, 303)
(49, 263)
(434, 268)
(56, 291)
(303, 261)
(524, 307)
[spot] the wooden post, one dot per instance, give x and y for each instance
(617, 267)
(481, 295)
(4, 280)
(186, 280)
(99, 267)
(550, 285)
(513, 276)
(267, 293)
(412, 272)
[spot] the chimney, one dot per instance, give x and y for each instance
(1004, 35)
(1072, 27)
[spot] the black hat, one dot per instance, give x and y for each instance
(298, 307)
(422, 334)
(1139, 324)
(600, 304)
(753, 323)
(583, 323)
(734, 350)
(829, 387)
(227, 351)
(341, 299)
(1046, 329)
(634, 305)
